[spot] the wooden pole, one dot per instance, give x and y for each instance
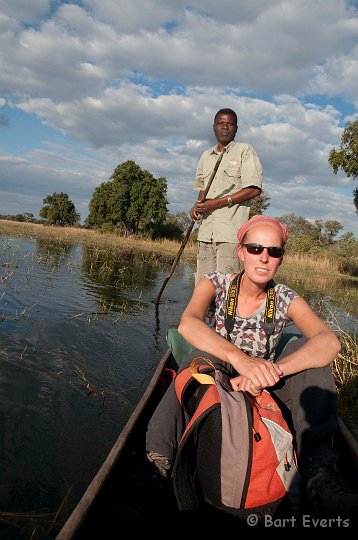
(187, 234)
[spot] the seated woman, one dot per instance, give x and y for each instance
(301, 378)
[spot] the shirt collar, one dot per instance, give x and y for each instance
(215, 150)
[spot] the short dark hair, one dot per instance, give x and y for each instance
(226, 111)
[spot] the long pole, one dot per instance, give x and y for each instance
(187, 234)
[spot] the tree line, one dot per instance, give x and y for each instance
(132, 201)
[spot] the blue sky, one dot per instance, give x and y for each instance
(87, 85)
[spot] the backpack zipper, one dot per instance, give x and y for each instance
(250, 430)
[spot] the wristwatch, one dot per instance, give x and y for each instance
(230, 202)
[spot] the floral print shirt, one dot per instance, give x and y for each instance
(249, 332)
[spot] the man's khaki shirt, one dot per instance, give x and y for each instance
(240, 167)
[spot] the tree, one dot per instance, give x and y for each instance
(171, 229)
(132, 199)
(259, 204)
(183, 220)
(331, 228)
(298, 225)
(100, 206)
(346, 158)
(321, 233)
(174, 227)
(59, 210)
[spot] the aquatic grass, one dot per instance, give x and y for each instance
(80, 373)
(163, 250)
(38, 521)
(158, 251)
(345, 372)
(80, 382)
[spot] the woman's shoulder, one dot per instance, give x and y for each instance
(285, 290)
(219, 278)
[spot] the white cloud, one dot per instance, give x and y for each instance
(276, 51)
(338, 76)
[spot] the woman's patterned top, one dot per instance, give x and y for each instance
(249, 332)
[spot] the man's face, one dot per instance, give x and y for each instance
(225, 128)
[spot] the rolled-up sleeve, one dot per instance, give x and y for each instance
(251, 168)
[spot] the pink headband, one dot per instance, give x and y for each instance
(262, 220)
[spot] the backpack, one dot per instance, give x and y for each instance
(236, 453)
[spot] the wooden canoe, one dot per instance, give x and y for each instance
(129, 497)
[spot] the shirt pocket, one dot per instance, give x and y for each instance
(233, 169)
(232, 177)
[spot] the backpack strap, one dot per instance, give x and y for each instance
(193, 375)
(207, 398)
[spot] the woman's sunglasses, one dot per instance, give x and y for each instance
(257, 249)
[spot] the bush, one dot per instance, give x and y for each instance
(300, 244)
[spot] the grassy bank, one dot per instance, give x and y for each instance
(345, 366)
(161, 250)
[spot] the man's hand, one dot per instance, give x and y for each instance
(205, 207)
(194, 214)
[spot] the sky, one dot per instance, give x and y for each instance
(88, 85)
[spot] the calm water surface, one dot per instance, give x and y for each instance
(79, 339)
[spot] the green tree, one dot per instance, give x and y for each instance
(174, 227)
(182, 219)
(299, 225)
(331, 228)
(346, 158)
(132, 199)
(171, 229)
(59, 210)
(100, 205)
(259, 204)
(319, 233)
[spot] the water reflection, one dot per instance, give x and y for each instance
(80, 338)
(56, 249)
(119, 282)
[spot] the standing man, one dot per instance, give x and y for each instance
(227, 205)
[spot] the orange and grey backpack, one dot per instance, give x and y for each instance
(236, 453)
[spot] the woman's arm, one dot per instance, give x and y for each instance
(193, 328)
(322, 346)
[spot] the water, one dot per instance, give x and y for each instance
(78, 345)
(80, 338)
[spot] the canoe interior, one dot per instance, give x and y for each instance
(129, 496)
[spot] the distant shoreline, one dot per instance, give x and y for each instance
(162, 250)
